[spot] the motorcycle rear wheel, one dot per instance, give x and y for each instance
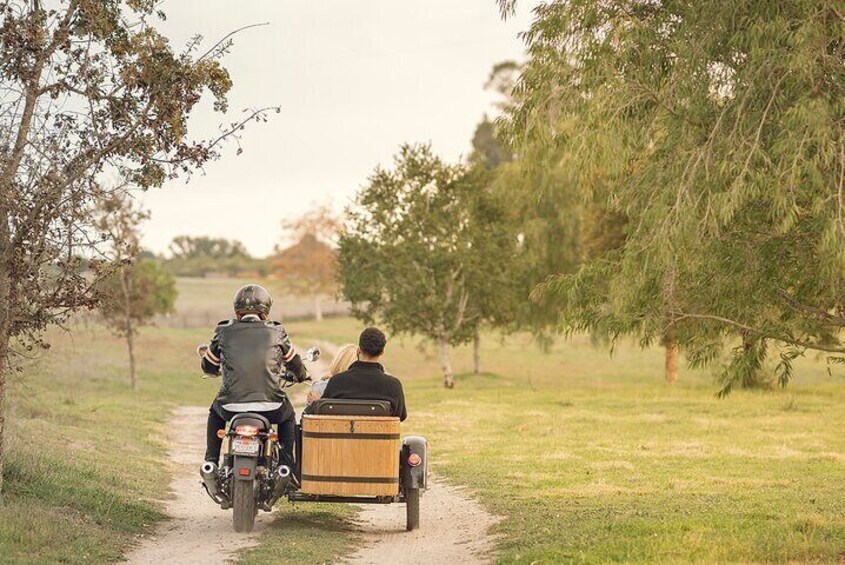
(243, 506)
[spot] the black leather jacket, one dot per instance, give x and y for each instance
(252, 355)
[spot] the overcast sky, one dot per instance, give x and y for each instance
(354, 81)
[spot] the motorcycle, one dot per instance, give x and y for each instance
(253, 476)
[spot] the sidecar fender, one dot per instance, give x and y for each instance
(414, 477)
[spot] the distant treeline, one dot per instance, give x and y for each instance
(204, 267)
(207, 256)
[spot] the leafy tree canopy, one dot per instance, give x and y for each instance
(714, 133)
(427, 250)
(308, 267)
(198, 256)
(152, 292)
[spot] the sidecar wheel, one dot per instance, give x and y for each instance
(412, 508)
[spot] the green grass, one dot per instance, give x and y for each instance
(84, 452)
(303, 533)
(592, 459)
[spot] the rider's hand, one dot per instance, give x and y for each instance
(291, 377)
(201, 349)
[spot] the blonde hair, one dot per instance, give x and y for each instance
(345, 356)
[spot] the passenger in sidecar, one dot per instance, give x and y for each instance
(349, 443)
(366, 380)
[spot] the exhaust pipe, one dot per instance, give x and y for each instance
(208, 472)
(281, 479)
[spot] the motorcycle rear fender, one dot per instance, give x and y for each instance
(244, 462)
(414, 477)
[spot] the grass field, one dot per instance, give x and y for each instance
(202, 302)
(593, 459)
(587, 458)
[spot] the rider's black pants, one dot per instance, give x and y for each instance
(217, 418)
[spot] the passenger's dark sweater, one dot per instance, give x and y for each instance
(368, 381)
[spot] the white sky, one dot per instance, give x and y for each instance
(355, 79)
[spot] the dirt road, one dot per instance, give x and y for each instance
(454, 527)
(198, 533)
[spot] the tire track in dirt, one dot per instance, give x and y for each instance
(454, 528)
(198, 532)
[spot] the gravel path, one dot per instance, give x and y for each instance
(454, 528)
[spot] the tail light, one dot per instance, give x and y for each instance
(414, 459)
(246, 431)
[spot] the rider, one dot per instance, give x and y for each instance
(253, 353)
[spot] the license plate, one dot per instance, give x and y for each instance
(245, 446)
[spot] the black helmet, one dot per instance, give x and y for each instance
(253, 299)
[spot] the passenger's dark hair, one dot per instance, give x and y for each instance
(372, 341)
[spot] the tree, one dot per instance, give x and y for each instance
(503, 79)
(498, 259)
(422, 250)
(320, 221)
(507, 308)
(139, 289)
(132, 297)
(89, 90)
(309, 266)
(718, 130)
(486, 148)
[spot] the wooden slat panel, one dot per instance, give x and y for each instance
(339, 454)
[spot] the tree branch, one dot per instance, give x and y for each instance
(786, 339)
(227, 36)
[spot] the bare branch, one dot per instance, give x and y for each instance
(227, 36)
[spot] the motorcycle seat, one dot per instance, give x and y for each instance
(251, 419)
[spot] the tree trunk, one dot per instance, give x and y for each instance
(8, 173)
(125, 285)
(671, 346)
(446, 363)
(318, 308)
(4, 366)
(133, 375)
(5, 317)
(476, 352)
(5, 327)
